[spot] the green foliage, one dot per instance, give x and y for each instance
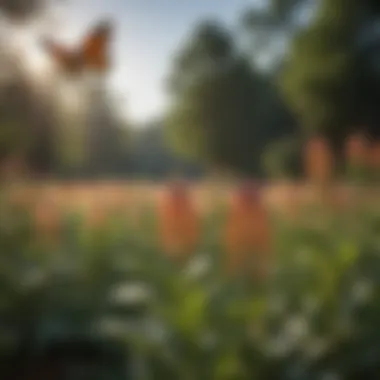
(283, 158)
(216, 102)
(267, 28)
(327, 79)
(317, 313)
(318, 76)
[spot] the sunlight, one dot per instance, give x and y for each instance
(71, 96)
(23, 42)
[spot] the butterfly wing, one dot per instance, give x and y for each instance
(95, 45)
(66, 59)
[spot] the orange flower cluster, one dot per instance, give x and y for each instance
(248, 231)
(319, 160)
(360, 153)
(178, 221)
(247, 236)
(356, 150)
(374, 157)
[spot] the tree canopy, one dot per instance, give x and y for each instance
(218, 101)
(326, 80)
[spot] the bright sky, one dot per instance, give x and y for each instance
(147, 34)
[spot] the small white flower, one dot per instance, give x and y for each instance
(279, 346)
(296, 328)
(198, 266)
(131, 293)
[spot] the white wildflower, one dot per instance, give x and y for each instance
(198, 266)
(296, 328)
(131, 293)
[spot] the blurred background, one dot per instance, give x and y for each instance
(111, 267)
(231, 86)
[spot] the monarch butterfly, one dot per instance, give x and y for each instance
(90, 55)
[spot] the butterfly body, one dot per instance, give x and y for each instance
(91, 55)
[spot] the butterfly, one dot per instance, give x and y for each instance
(91, 55)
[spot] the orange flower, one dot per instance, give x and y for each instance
(374, 156)
(12, 167)
(319, 160)
(248, 230)
(356, 150)
(178, 221)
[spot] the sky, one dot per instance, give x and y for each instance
(147, 34)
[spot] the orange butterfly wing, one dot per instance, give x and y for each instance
(65, 58)
(94, 48)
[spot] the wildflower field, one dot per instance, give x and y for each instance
(206, 282)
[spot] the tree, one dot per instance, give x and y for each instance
(267, 29)
(106, 145)
(326, 80)
(26, 124)
(216, 102)
(26, 120)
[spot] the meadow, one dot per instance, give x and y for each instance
(284, 287)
